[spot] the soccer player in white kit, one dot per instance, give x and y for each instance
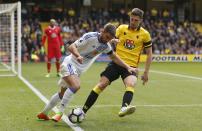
(84, 51)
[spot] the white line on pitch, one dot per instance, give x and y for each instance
(153, 71)
(45, 100)
(166, 105)
(177, 75)
(91, 82)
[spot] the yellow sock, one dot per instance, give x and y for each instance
(129, 88)
(97, 90)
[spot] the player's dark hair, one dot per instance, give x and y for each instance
(110, 28)
(137, 12)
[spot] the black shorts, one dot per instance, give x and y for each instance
(113, 71)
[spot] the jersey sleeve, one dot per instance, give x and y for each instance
(147, 40)
(81, 42)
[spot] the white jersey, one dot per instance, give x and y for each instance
(89, 48)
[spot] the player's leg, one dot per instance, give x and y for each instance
(57, 63)
(130, 82)
(52, 103)
(110, 74)
(48, 66)
(74, 86)
(103, 83)
(71, 78)
(49, 58)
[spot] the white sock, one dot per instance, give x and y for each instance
(52, 103)
(66, 99)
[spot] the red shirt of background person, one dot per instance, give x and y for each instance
(52, 34)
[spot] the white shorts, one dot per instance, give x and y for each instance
(67, 70)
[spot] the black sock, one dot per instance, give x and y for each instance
(90, 101)
(127, 98)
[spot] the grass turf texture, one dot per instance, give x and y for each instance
(19, 106)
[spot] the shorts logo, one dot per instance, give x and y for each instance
(129, 44)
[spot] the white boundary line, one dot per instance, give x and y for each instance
(177, 75)
(45, 100)
(166, 105)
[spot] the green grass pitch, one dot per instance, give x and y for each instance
(166, 103)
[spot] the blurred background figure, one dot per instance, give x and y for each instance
(54, 45)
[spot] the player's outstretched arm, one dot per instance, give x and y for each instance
(145, 77)
(116, 59)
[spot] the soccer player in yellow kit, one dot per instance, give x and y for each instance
(132, 40)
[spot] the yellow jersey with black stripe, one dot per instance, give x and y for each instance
(131, 44)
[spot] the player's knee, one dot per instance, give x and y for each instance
(130, 83)
(57, 60)
(102, 85)
(76, 87)
(104, 82)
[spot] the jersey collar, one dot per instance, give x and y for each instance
(135, 29)
(52, 27)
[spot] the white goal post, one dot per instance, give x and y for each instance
(10, 39)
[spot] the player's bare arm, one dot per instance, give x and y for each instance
(118, 61)
(114, 41)
(72, 48)
(145, 77)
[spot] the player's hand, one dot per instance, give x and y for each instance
(144, 78)
(115, 41)
(80, 59)
(62, 49)
(133, 70)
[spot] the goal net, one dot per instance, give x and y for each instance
(10, 39)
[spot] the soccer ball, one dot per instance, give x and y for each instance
(76, 115)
